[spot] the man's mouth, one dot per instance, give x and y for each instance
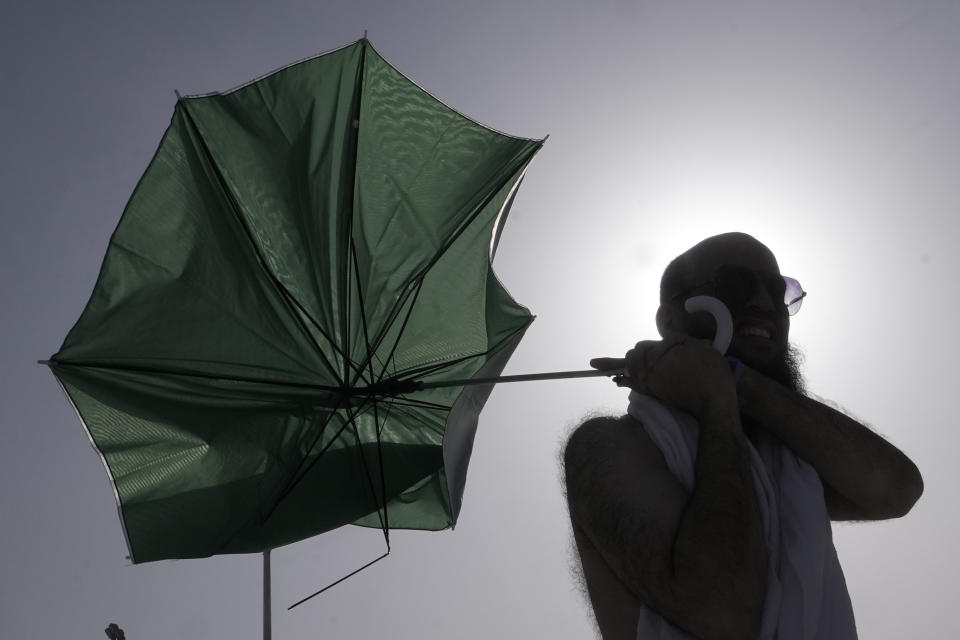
(759, 332)
(756, 341)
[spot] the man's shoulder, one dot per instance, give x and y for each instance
(614, 441)
(622, 430)
(595, 436)
(603, 427)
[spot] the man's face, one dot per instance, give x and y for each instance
(745, 276)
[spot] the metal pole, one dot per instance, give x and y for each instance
(266, 595)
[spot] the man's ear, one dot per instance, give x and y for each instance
(670, 320)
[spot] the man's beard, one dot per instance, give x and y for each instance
(785, 369)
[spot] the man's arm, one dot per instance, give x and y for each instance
(864, 476)
(700, 560)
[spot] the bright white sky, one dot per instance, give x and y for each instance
(829, 130)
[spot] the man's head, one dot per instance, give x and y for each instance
(744, 275)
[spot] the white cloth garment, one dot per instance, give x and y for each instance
(806, 595)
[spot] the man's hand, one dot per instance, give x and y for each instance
(682, 372)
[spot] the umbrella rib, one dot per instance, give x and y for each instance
(384, 520)
(419, 277)
(406, 401)
(283, 491)
(345, 284)
(366, 468)
(320, 330)
(378, 428)
(390, 400)
(201, 294)
(413, 373)
(363, 317)
(345, 309)
(380, 424)
(425, 370)
(403, 327)
(382, 333)
(191, 374)
(333, 584)
(450, 241)
(410, 375)
(207, 156)
(300, 472)
(478, 209)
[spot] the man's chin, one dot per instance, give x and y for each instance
(764, 355)
(780, 365)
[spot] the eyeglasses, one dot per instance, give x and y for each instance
(736, 286)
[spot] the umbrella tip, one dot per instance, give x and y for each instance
(364, 34)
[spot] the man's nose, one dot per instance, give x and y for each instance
(760, 298)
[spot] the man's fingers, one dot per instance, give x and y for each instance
(607, 364)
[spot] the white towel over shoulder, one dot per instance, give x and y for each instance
(806, 595)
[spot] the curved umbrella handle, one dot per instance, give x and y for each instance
(720, 313)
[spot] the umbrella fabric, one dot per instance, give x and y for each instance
(297, 248)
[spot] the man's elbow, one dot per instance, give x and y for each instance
(900, 492)
(906, 493)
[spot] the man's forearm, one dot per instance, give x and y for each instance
(855, 462)
(722, 513)
(719, 545)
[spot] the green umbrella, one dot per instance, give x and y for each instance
(296, 323)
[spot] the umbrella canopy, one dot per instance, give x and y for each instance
(297, 252)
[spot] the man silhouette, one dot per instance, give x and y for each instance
(705, 511)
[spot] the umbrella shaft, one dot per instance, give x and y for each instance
(525, 377)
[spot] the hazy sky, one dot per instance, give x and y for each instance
(829, 130)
